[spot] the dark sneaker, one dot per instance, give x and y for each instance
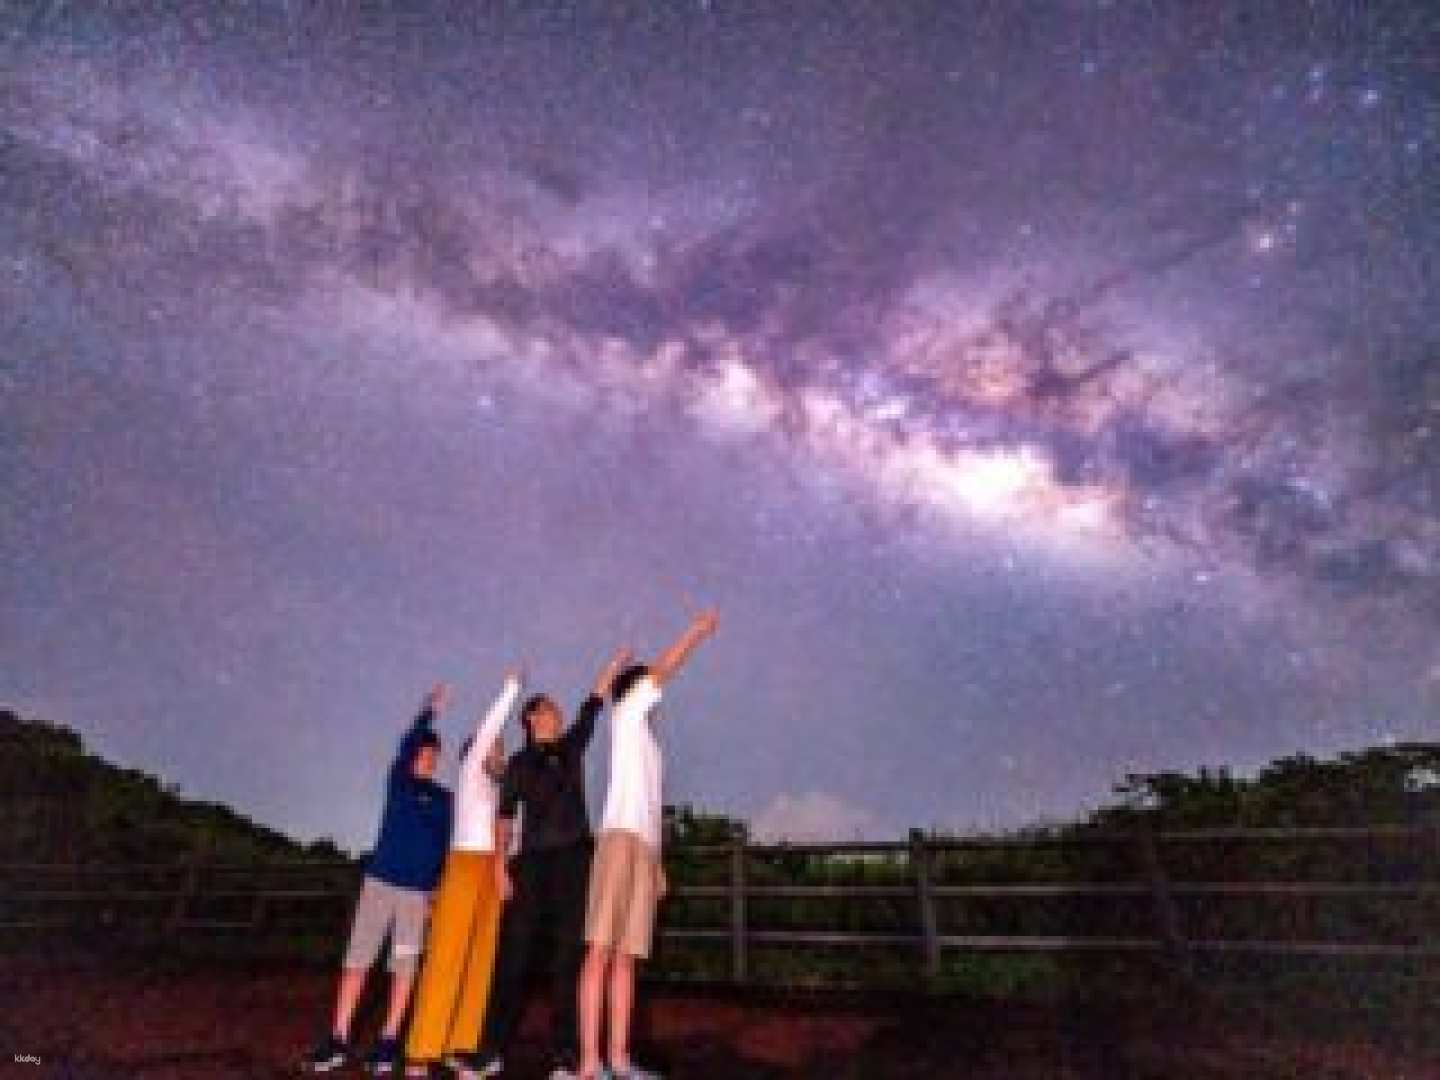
(384, 1058)
(330, 1055)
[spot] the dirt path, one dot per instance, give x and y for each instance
(100, 1023)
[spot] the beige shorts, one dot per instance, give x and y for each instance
(624, 889)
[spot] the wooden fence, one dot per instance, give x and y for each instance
(915, 877)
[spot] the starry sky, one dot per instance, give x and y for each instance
(1042, 392)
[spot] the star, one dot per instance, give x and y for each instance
(994, 376)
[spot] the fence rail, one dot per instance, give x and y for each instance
(182, 898)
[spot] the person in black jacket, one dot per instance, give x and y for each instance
(545, 884)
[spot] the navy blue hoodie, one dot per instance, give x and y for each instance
(415, 827)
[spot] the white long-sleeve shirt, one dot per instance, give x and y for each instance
(633, 799)
(477, 794)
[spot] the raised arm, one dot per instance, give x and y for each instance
(672, 659)
(493, 720)
(617, 663)
(423, 724)
(583, 729)
(500, 709)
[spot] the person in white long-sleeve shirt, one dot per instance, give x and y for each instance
(627, 879)
(455, 977)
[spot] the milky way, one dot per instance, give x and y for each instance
(1043, 394)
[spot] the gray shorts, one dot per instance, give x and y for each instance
(387, 909)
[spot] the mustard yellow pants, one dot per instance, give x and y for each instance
(455, 974)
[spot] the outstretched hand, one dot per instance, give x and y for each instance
(670, 661)
(438, 697)
(515, 673)
(707, 622)
(617, 663)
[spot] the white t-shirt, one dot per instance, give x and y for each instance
(632, 801)
(477, 795)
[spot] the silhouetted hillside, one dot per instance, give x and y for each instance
(62, 804)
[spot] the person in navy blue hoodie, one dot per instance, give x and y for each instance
(400, 873)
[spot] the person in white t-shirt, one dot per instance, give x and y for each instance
(626, 876)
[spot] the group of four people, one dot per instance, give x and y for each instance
(596, 896)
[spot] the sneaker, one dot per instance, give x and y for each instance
(479, 1066)
(563, 1071)
(383, 1058)
(418, 1070)
(634, 1072)
(329, 1055)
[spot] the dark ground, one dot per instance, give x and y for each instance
(93, 1021)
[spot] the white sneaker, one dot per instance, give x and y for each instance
(634, 1072)
(476, 1069)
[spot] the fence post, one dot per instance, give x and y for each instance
(1167, 915)
(189, 884)
(930, 937)
(258, 911)
(738, 960)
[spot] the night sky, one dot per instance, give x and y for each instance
(1041, 391)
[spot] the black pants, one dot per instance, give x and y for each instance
(549, 897)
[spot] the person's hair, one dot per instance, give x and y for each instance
(626, 680)
(533, 704)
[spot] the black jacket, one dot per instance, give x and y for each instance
(549, 781)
